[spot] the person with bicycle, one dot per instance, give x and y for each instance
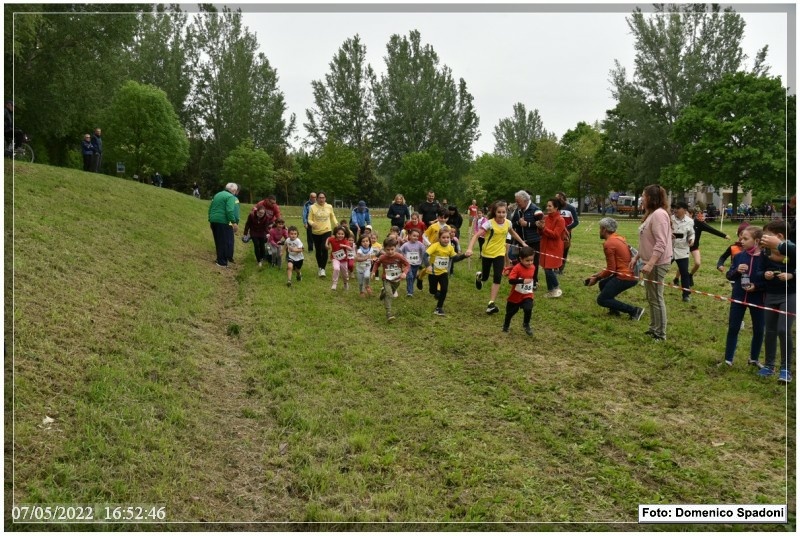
(11, 133)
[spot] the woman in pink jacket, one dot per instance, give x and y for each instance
(655, 250)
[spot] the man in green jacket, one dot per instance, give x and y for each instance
(223, 215)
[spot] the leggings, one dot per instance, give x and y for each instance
(259, 246)
(512, 309)
(442, 281)
(320, 250)
(340, 267)
(492, 262)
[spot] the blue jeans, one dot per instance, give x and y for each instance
(735, 318)
(411, 277)
(778, 329)
(223, 242)
(612, 286)
(551, 278)
(683, 266)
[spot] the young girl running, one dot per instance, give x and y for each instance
(293, 248)
(493, 255)
(257, 228)
(338, 245)
(363, 260)
(440, 255)
(413, 251)
(395, 268)
(521, 297)
(277, 236)
(746, 273)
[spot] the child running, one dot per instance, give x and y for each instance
(257, 228)
(363, 260)
(395, 268)
(338, 244)
(521, 297)
(746, 273)
(413, 251)
(440, 255)
(277, 237)
(294, 255)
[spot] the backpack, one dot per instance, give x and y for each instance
(637, 268)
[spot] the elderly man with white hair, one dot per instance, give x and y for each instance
(617, 277)
(223, 215)
(523, 221)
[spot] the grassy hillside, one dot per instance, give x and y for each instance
(226, 396)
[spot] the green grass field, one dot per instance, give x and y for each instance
(228, 397)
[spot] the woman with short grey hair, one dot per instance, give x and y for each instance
(609, 224)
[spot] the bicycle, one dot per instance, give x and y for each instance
(20, 151)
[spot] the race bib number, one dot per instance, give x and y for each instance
(393, 272)
(413, 257)
(339, 255)
(351, 254)
(442, 263)
(524, 288)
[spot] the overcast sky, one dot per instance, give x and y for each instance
(557, 63)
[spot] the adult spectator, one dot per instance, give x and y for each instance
(570, 216)
(617, 277)
(8, 125)
(312, 198)
(655, 250)
(359, 219)
(454, 219)
(682, 240)
(429, 208)
(87, 150)
(223, 215)
(97, 142)
(322, 221)
(398, 212)
(523, 221)
(272, 209)
(158, 180)
(552, 229)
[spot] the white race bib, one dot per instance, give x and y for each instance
(413, 257)
(393, 272)
(339, 255)
(524, 288)
(351, 254)
(442, 263)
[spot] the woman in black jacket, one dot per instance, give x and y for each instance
(454, 219)
(398, 211)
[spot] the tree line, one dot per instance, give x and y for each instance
(191, 96)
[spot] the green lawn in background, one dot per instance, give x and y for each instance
(228, 397)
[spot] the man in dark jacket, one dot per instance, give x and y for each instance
(429, 209)
(87, 150)
(523, 221)
(97, 142)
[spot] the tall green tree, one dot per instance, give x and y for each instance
(734, 134)
(343, 102)
(67, 63)
(163, 55)
(418, 105)
(420, 172)
(499, 176)
(516, 136)
(236, 95)
(578, 163)
(680, 49)
(334, 171)
(144, 132)
(250, 167)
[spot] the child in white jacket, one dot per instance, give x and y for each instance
(682, 240)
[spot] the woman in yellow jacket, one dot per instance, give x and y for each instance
(322, 221)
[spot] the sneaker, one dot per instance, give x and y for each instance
(346, 284)
(675, 281)
(363, 294)
(528, 330)
(319, 272)
(390, 318)
(394, 294)
(289, 283)
(419, 284)
(299, 276)
(754, 363)
(649, 332)
(687, 298)
(221, 265)
(492, 308)
(260, 264)
(383, 294)
(333, 287)
(535, 285)
(637, 314)
(478, 282)
(658, 338)
(785, 376)
(377, 278)
(557, 293)
(765, 372)
(726, 362)
(438, 311)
